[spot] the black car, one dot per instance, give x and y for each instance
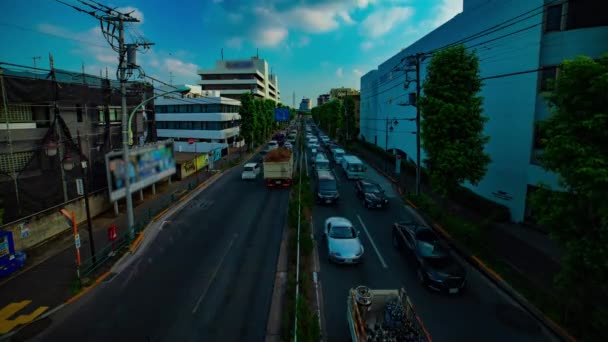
(371, 193)
(436, 266)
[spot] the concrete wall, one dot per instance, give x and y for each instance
(38, 228)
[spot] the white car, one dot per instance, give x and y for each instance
(288, 145)
(250, 171)
(273, 145)
(343, 243)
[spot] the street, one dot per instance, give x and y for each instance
(208, 275)
(480, 313)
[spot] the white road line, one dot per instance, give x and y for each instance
(214, 274)
(372, 242)
(162, 224)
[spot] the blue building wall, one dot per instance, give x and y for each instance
(511, 103)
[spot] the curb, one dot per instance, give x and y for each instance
(88, 288)
(137, 241)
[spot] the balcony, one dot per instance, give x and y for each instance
(198, 134)
(228, 83)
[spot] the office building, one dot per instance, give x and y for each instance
(42, 113)
(201, 116)
(540, 35)
(236, 77)
(324, 98)
(305, 104)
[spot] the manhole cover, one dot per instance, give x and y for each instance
(517, 318)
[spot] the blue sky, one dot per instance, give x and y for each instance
(311, 45)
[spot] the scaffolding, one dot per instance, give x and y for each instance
(41, 107)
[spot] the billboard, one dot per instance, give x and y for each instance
(147, 165)
(281, 114)
(246, 64)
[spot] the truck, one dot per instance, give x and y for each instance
(383, 315)
(278, 167)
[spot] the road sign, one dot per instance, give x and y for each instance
(77, 240)
(79, 186)
(281, 114)
(190, 141)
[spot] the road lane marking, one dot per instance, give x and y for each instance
(213, 275)
(162, 224)
(372, 242)
(9, 310)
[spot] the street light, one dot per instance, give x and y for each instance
(127, 137)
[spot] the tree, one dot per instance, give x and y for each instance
(349, 118)
(452, 121)
(246, 111)
(576, 149)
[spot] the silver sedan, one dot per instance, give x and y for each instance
(343, 243)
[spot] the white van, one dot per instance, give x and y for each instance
(338, 154)
(250, 171)
(321, 162)
(353, 167)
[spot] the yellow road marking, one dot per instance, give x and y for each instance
(7, 325)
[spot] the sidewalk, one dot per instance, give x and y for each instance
(49, 278)
(529, 252)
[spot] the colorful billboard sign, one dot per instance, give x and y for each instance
(281, 114)
(147, 165)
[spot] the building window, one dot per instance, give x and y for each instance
(548, 75)
(78, 113)
(586, 13)
(554, 18)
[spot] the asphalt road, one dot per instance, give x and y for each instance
(208, 275)
(480, 313)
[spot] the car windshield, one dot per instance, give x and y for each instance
(438, 262)
(342, 233)
(373, 188)
(356, 167)
(327, 185)
(339, 155)
(248, 168)
(427, 235)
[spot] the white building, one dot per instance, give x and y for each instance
(532, 34)
(211, 120)
(236, 77)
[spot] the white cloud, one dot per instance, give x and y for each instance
(312, 19)
(340, 72)
(235, 42)
(444, 11)
(346, 17)
(136, 13)
(366, 45)
(358, 72)
(271, 36)
(384, 20)
(180, 68)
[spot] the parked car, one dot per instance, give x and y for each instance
(371, 194)
(343, 243)
(250, 171)
(436, 266)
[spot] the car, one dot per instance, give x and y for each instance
(288, 145)
(437, 268)
(326, 187)
(372, 194)
(250, 171)
(343, 243)
(273, 145)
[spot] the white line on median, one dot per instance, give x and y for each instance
(372, 242)
(213, 275)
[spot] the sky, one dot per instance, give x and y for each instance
(311, 45)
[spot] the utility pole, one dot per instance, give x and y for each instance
(35, 58)
(111, 21)
(85, 188)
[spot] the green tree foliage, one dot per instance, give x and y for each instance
(452, 125)
(576, 149)
(248, 121)
(350, 129)
(257, 118)
(330, 117)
